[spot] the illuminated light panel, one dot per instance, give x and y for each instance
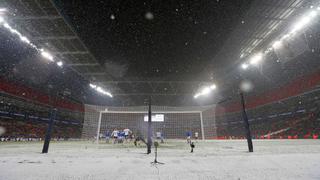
(92, 85)
(25, 39)
(100, 90)
(205, 91)
(300, 24)
(256, 58)
(43, 53)
(277, 45)
(213, 87)
(303, 22)
(313, 14)
(60, 63)
(285, 37)
(244, 66)
(47, 55)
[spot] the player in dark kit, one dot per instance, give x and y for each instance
(192, 146)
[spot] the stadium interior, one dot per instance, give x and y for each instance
(97, 65)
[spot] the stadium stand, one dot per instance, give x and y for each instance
(24, 113)
(292, 118)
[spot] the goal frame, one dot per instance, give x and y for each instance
(146, 112)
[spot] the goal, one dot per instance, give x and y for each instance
(172, 122)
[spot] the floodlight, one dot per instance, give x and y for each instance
(60, 63)
(313, 14)
(206, 91)
(6, 25)
(109, 94)
(213, 86)
(244, 66)
(92, 85)
(47, 55)
(286, 36)
(300, 24)
(255, 59)
(99, 89)
(24, 39)
(277, 45)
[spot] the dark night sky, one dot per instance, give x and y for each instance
(166, 40)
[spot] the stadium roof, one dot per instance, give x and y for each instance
(51, 25)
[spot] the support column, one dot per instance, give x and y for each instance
(202, 128)
(149, 143)
(246, 124)
(49, 130)
(98, 130)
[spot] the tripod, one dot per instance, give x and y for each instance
(156, 144)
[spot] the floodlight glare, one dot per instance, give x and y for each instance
(3, 10)
(25, 39)
(300, 24)
(43, 53)
(47, 55)
(100, 90)
(256, 58)
(313, 14)
(60, 63)
(277, 45)
(92, 85)
(206, 91)
(6, 25)
(286, 36)
(213, 86)
(244, 66)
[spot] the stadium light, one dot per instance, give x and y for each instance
(92, 85)
(244, 66)
(25, 39)
(3, 10)
(300, 24)
(47, 55)
(100, 90)
(305, 20)
(277, 45)
(256, 58)
(205, 91)
(43, 53)
(60, 63)
(213, 87)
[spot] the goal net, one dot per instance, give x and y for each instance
(171, 122)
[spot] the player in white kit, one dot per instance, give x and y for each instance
(114, 135)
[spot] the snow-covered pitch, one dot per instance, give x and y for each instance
(271, 159)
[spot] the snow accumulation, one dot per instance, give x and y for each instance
(211, 160)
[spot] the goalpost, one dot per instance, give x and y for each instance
(171, 118)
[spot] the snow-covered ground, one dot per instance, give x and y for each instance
(272, 159)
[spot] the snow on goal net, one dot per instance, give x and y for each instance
(172, 122)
